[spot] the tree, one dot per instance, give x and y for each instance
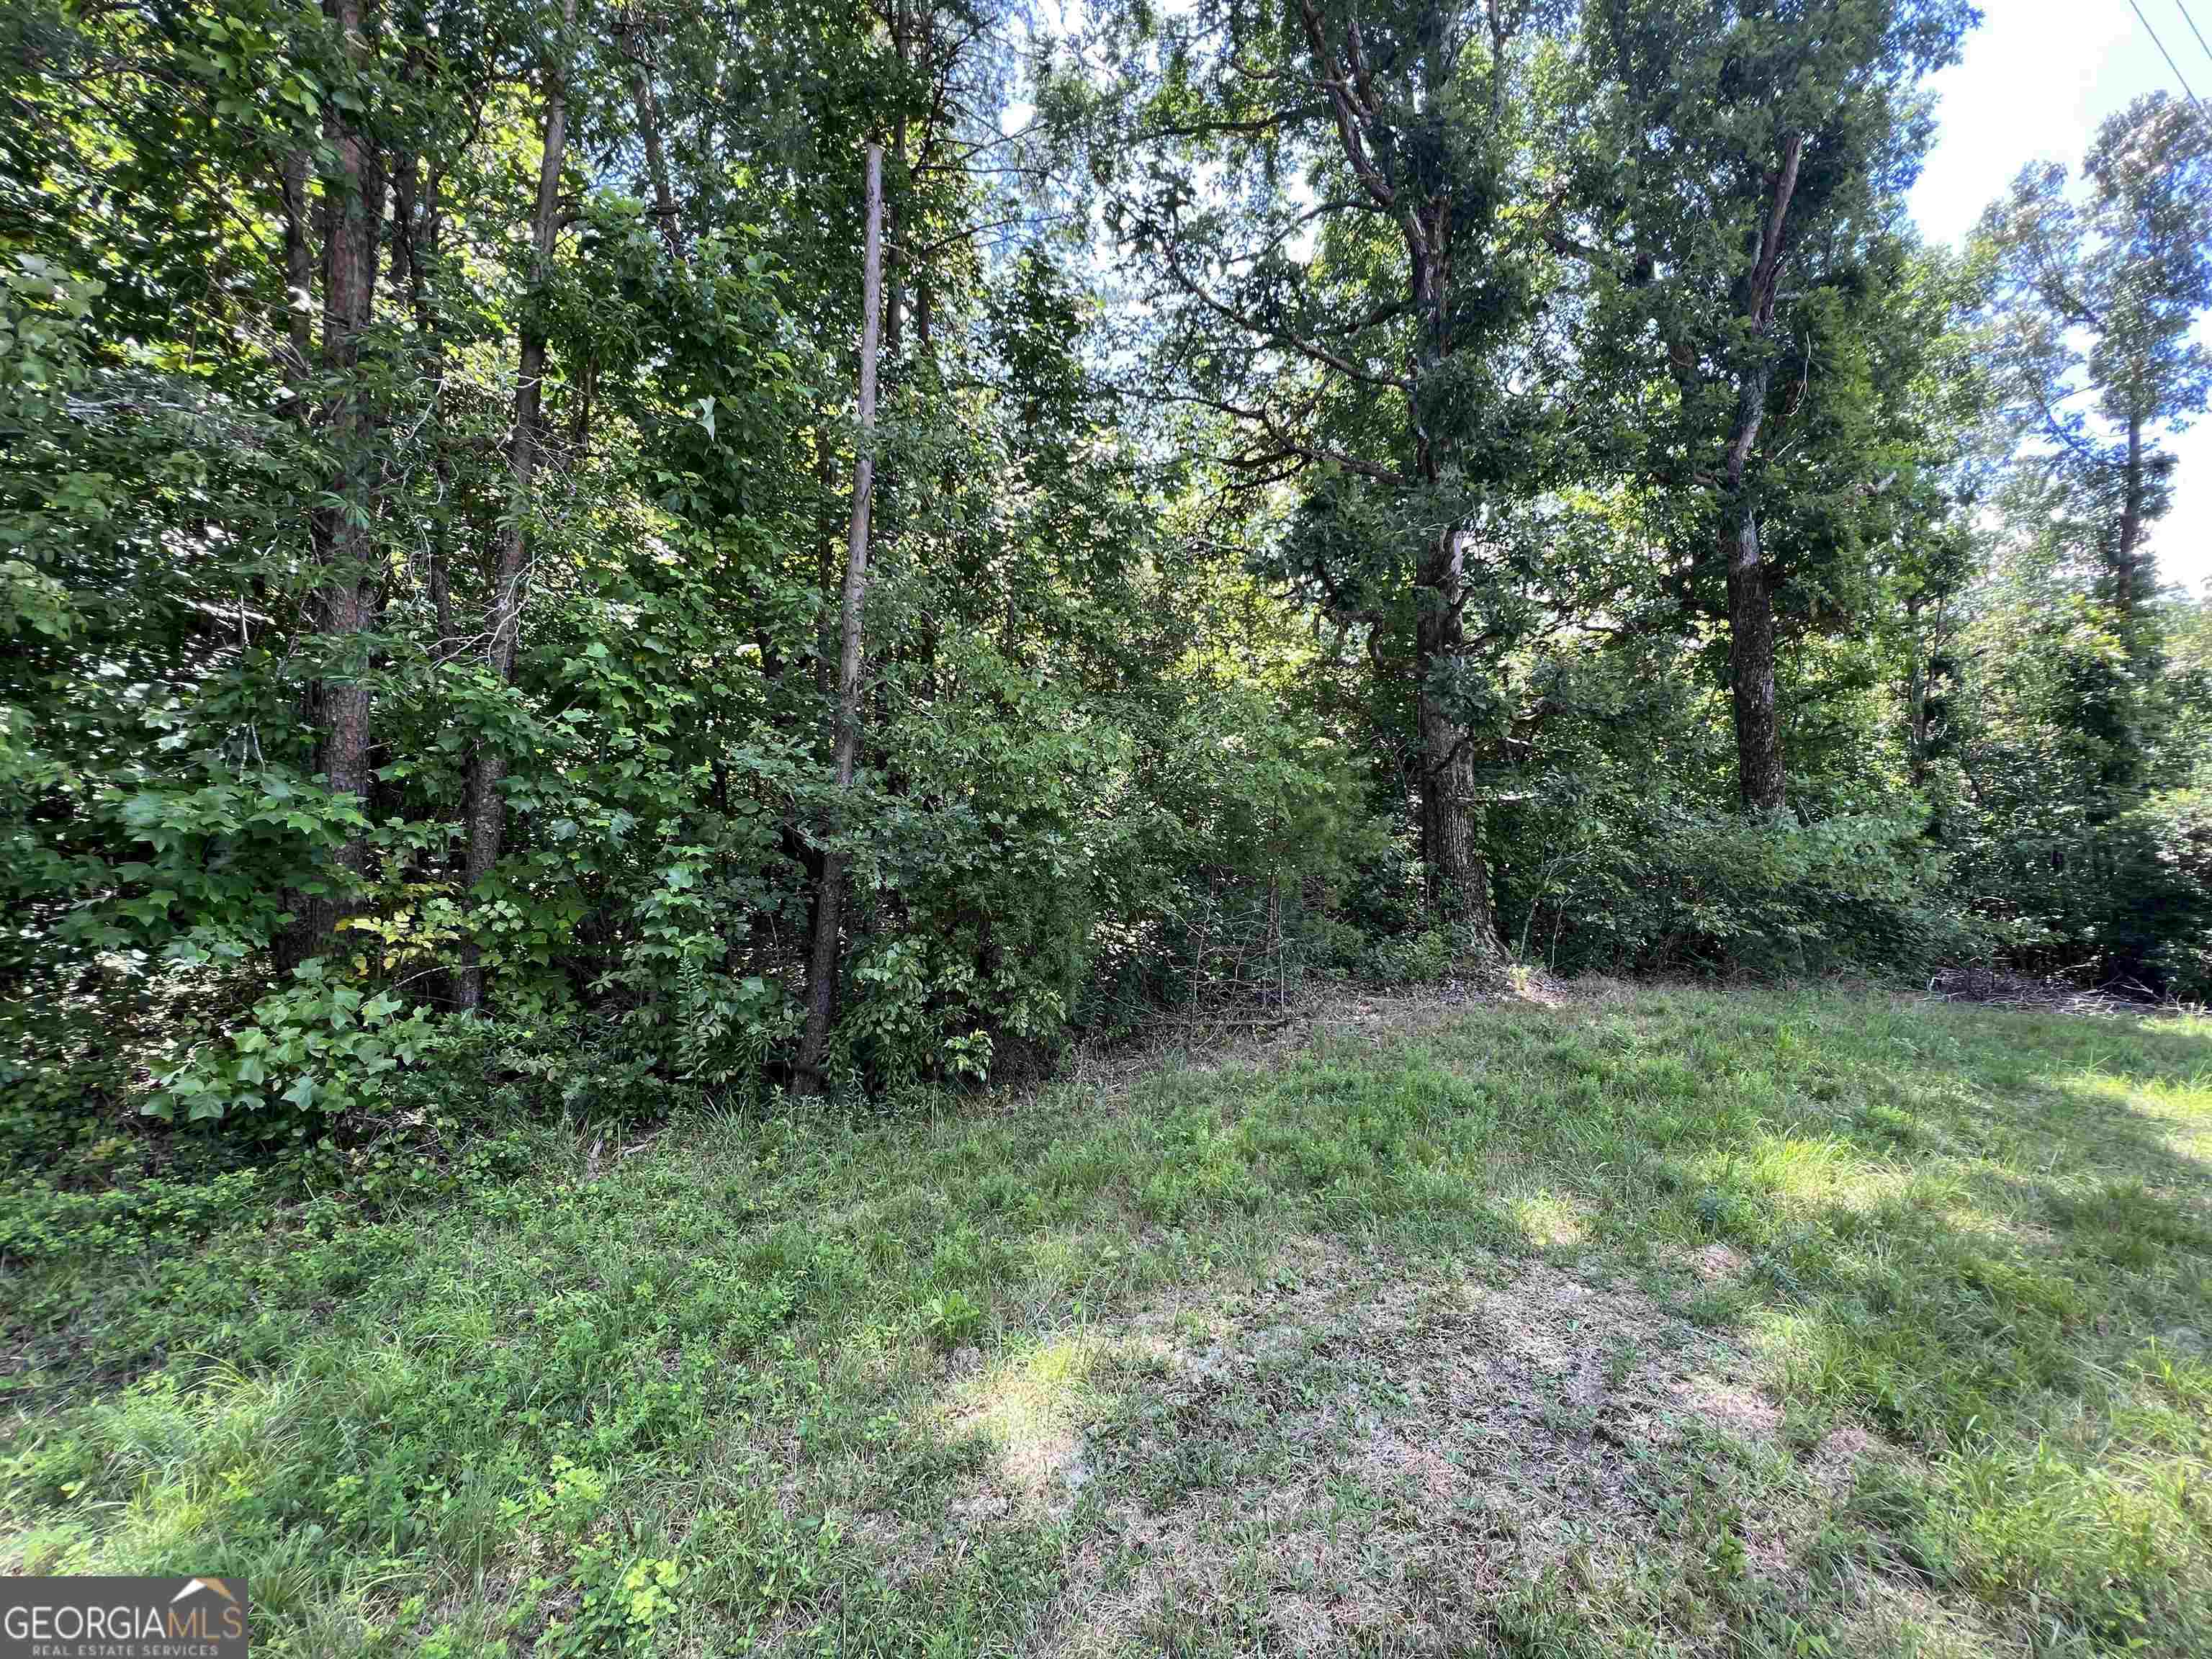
(822, 974)
(1731, 166)
(1325, 204)
(338, 702)
(486, 812)
(2079, 742)
(2094, 307)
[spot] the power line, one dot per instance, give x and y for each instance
(2193, 29)
(2170, 64)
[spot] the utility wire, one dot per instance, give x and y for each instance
(2170, 64)
(2193, 29)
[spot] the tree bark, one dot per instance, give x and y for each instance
(299, 270)
(1760, 779)
(821, 974)
(485, 807)
(343, 606)
(1456, 877)
(1751, 662)
(894, 254)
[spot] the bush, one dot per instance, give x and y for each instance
(307, 1052)
(1247, 842)
(1665, 887)
(2160, 926)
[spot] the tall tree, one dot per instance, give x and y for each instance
(822, 973)
(2094, 305)
(345, 606)
(1361, 334)
(486, 809)
(635, 33)
(1733, 165)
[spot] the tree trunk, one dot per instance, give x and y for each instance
(894, 255)
(415, 228)
(1918, 684)
(822, 973)
(1751, 617)
(1759, 775)
(343, 606)
(924, 41)
(485, 808)
(1751, 611)
(2134, 583)
(299, 269)
(1455, 880)
(1455, 877)
(656, 160)
(1750, 661)
(2131, 519)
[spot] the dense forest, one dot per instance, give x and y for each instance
(628, 550)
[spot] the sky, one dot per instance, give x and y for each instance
(2034, 81)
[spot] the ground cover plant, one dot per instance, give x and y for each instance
(1604, 1319)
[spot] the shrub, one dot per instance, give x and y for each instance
(308, 1052)
(1666, 886)
(2159, 928)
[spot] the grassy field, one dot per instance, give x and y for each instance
(1655, 1320)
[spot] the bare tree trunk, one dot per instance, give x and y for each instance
(822, 973)
(1750, 661)
(1751, 616)
(1760, 777)
(485, 807)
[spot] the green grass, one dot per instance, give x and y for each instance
(1664, 1319)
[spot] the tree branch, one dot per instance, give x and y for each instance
(1306, 349)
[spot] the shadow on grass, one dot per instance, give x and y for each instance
(1989, 1235)
(1983, 1234)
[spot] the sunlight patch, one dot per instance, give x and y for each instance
(1550, 1220)
(1027, 1407)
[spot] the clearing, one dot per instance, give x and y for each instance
(1806, 1322)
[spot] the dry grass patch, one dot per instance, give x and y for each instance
(1354, 1453)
